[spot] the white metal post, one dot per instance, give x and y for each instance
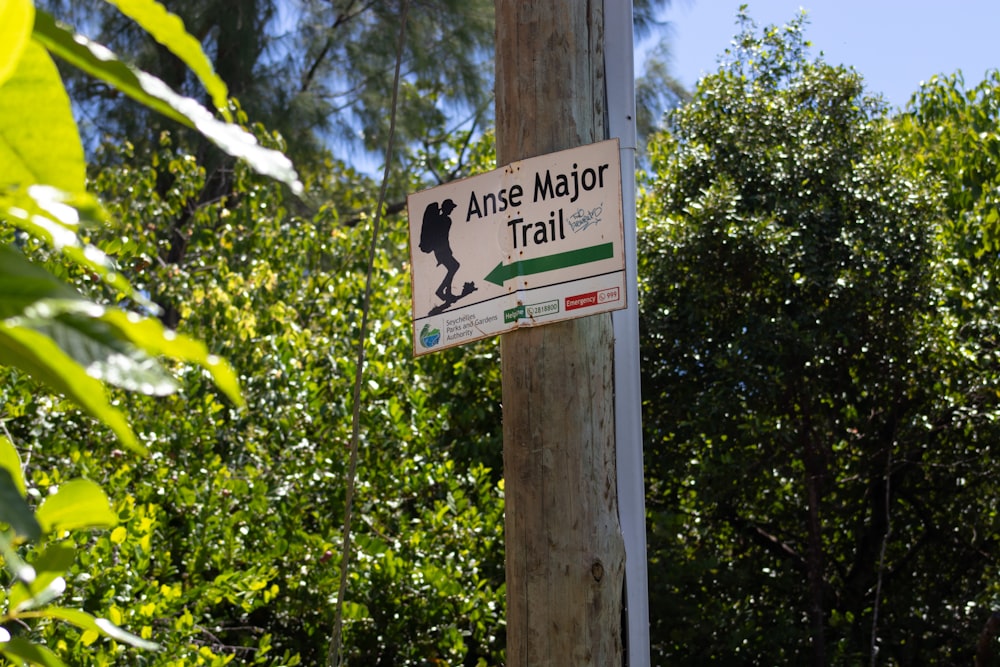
(620, 68)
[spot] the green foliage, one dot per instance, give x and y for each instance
(223, 544)
(32, 586)
(60, 338)
(63, 340)
(320, 73)
(168, 30)
(954, 135)
(819, 423)
(230, 539)
(97, 61)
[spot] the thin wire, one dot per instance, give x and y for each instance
(335, 651)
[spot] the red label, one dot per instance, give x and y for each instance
(581, 301)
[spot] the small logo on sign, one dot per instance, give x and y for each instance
(429, 337)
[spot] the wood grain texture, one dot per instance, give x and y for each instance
(564, 549)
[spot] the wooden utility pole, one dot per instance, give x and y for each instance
(564, 548)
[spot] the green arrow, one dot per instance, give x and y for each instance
(560, 260)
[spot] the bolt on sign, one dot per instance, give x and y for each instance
(535, 242)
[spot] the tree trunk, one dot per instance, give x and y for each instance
(815, 471)
(564, 548)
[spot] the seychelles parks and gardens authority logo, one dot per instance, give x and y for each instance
(429, 337)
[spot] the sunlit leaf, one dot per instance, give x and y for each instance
(28, 652)
(39, 141)
(107, 344)
(16, 17)
(48, 584)
(23, 283)
(76, 504)
(11, 461)
(98, 61)
(36, 595)
(12, 561)
(53, 216)
(103, 626)
(168, 30)
(355, 611)
(40, 357)
(98, 347)
(156, 339)
(231, 138)
(61, 339)
(118, 347)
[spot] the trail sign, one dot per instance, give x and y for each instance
(537, 241)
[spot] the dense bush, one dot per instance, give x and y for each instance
(229, 543)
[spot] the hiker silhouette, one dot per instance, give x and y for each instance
(434, 239)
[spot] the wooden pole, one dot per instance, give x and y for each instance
(564, 548)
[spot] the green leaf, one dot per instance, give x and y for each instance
(23, 284)
(16, 17)
(40, 357)
(118, 347)
(75, 326)
(85, 621)
(77, 504)
(64, 210)
(12, 561)
(355, 611)
(48, 583)
(35, 595)
(31, 297)
(169, 30)
(53, 216)
(145, 88)
(39, 141)
(54, 561)
(11, 461)
(14, 509)
(107, 344)
(97, 61)
(231, 138)
(28, 652)
(150, 334)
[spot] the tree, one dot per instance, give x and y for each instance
(317, 72)
(236, 514)
(951, 131)
(54, 334)
(816, 438)
(200, 560)
(656, 91)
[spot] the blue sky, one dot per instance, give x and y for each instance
(894, 44)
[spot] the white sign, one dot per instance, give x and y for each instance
(535, 242)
